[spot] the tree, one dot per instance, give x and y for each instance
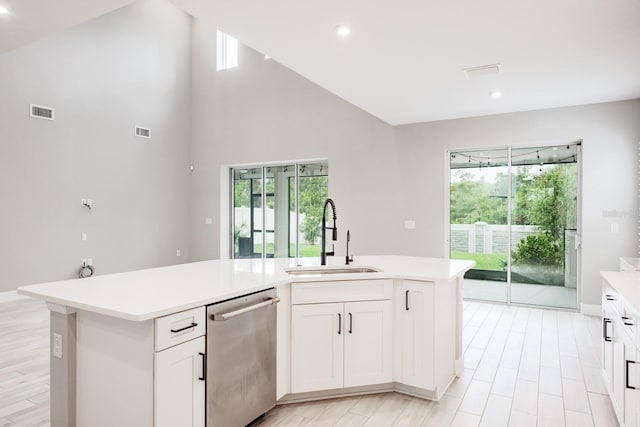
(475, 200)
(313, 192)
(547, 200)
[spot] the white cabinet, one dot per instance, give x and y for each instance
(620, 356)
(340, 344)
(317, 347)
(180, 374)
(416, 310)
(367, 343)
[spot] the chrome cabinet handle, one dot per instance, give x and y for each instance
(204, 367)
(339, 323)
(232, 314)
(192, 325)
(350, 323)
(406, 300)
(626, 382)
(609, 297)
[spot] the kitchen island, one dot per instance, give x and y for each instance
(108, 340)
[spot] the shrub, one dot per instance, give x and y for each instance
(538, 249)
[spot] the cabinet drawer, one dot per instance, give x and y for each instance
(180, 327)
(341, 291)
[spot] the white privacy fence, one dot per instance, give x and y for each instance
(487, 238)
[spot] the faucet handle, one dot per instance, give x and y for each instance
(333, 250)
(349, 259)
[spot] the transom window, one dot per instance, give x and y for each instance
(227, 51)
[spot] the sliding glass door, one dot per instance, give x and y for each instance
(479, 215)
(526, 246)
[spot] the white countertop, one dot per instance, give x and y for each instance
(148, 294)
(627, 283)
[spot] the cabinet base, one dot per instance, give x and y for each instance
(360, 391)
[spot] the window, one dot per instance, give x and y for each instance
(227, 51)
(277, 209)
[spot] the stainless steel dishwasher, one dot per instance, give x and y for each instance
(241, 359)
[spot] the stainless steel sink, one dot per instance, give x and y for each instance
(307, 271)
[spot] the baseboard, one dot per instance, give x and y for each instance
(9, 296)
(591, 309)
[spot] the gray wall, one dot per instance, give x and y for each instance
(264, 112)
(151, 65)
(129, 67)
(382, 175)
(610, 134)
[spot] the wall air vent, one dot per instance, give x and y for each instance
(483, 70)
(40, 112)
(143, 132)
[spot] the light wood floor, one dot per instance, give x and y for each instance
(523, 367)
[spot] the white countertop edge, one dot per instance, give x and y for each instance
(284, 279)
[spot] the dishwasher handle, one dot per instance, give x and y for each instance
(232, 314)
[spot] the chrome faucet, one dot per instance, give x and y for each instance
(334, 236)
(349, 258)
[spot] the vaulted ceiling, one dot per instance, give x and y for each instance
(404, 60)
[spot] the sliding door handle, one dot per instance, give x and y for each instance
(339, 323)
(350, 323)
(406, 300)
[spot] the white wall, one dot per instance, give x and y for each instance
(382, 175)
(147, 64)
(129, 67)
(263, 112)
(610, 134)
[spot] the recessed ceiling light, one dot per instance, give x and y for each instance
(495, 94)
(343, 31)
(3, 10)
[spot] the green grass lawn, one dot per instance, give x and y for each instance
(483, 261)
(305, 250)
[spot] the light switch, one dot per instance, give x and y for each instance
(57, 346)
(84, 237)
(409, 224)
(178, 252)
(615, 227)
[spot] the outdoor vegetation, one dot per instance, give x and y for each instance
(313, 190)
(543, 196)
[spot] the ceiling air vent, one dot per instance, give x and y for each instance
(143, 132)
(483, 70)
(40, 112)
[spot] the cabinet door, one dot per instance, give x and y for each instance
(317, 345)
(368, 343)
(417, 323)
(619, 368)
(631, 384)
(180, 386)
(607, 345)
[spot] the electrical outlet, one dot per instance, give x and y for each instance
(83, 202)
(84, 237)
(208, 221)
(178, 252)
(84, 262)
(57, 345)
(89, 261)
(409, 224)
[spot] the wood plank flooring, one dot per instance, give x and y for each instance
(523, 367)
